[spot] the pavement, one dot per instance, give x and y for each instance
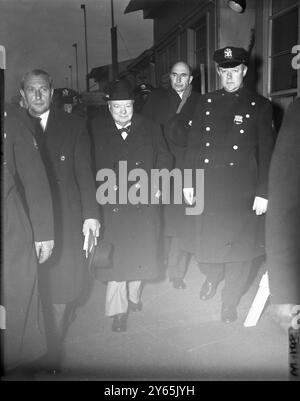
(176, 337)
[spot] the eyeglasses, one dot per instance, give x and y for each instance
(174, 75)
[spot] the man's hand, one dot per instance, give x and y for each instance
(92, 225)
(260, 205)
(44, 250)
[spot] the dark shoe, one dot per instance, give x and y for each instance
(229, 313)
(134, 307)
(179, 284)
(119, 322)
(208, 290)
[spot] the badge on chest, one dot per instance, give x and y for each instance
(238, 120)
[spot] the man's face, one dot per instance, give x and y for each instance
(37, 94)
(121, 111)
(232, 78)
(180, 77)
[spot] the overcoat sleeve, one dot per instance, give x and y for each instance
(84, 174)
(265, 147)
(31, 172)
(283, 216)
(164, 159)
(194, 140)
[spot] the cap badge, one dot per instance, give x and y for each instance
(238, 120)
(228, 53)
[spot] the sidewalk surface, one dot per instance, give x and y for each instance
(175, 337)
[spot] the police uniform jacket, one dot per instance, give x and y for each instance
(283, 216)
(161, 107)
(27, 217)
(68, 164)
(232, 140)
(131, 229)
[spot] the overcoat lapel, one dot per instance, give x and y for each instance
(55, 133)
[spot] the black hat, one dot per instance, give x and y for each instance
(177, 130)
(230, 56)
(119, 90)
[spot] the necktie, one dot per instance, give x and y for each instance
(38, 132)
(40, 139)
(124, 131)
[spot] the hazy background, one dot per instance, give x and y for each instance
(40, 34)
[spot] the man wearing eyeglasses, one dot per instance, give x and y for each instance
(173, 109)
(232, 140)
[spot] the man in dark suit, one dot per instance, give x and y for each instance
(232, 140)
(173, 109)
(126, 141)
(283, 219)
(64, 147)
(27, 240)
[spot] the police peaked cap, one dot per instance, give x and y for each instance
(120, 90)
(231, 56)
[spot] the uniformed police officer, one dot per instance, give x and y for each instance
(232, 140)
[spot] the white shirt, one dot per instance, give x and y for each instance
(44, 119)
(123, 134)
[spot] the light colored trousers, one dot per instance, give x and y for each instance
(117, 295)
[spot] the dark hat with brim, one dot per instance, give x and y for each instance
(119, 90)
(177, 130)
(230, 57)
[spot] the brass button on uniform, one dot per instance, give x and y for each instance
(62, 158)
(247, 115)
(209, 100)
(231, 164)
(206, 161)
(242, 131)
(207, 144)
(207, 129)
(235, 147)
(207, 113)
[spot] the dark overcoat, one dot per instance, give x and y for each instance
(133, 230)
(232, 140)
(23, 173)
(68, 164)
(283, 216)
(161, 107)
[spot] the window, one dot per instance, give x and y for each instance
(200, 55)
(285, 35)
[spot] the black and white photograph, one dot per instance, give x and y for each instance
(150, 193)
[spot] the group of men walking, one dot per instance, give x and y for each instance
(227, 133)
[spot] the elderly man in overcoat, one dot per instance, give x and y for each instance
(232, 140)
(28, 239)
(63, 142)
(173, 109)
(283, 218)
(126, 141)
